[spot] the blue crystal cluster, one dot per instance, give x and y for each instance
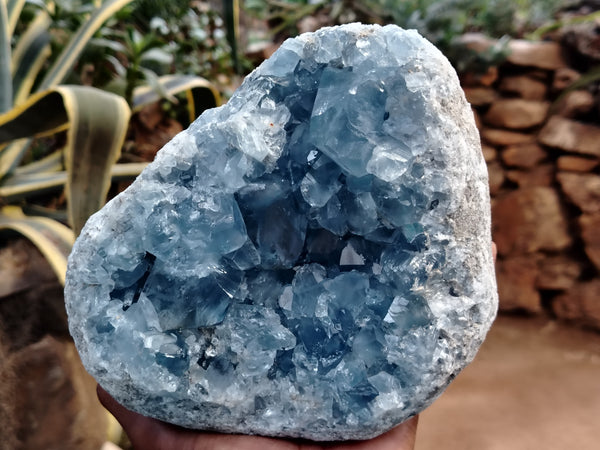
(311, 259)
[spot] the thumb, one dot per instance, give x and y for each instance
(143, 432)
(150, 434)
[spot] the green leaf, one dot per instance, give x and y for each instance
(558, 24)
(153, 81)
(51, 163)
(14, 8)
(22, 186)
(30, 55)
(96, 123)
(25, 185)
(53, 239)
(157, 55)
(117, 65)
(11, 155)
(41, 115)
(104, 43)
(231, 11)
(120, 172)
(36, 210)
(71, 52)
(591, 76)
(201, 93)
(585, 79)
(5, 68)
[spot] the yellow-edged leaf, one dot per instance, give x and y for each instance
(201, 93)
(30, 55)
(53, 239)
(14, 8)
(200, 99)
(11, 155)
(98, 124)
(126, 171)
(5, 72)
(54, 214)
(22, 186)
(71, 52)
(51, 163)
(41, 115)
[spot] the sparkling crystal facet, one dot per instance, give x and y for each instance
(311, 259)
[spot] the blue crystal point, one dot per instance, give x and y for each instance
(311, 259)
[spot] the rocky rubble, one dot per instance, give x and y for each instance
(541, 142)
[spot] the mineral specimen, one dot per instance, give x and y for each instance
(311, 259)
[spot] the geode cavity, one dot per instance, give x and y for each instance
(312, 259)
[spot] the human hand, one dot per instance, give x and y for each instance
(151, 434)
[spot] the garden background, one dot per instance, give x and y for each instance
(90, 90)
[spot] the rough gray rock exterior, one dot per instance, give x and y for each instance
(312, 259)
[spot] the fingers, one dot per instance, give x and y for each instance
(127, 419)
(406, 434)
(143, 432)
(402, 437)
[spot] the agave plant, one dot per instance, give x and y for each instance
(95, 123)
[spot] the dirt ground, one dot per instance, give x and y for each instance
(534, 385)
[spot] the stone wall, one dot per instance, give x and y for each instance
(542, 147)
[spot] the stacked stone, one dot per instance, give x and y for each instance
(542, 147)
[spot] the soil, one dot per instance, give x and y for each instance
(535, 384)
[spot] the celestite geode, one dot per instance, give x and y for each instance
(312, 259)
